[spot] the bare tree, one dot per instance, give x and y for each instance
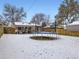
(39, 18)
(13, 14)
(68, 11)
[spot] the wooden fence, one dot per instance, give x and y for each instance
(1, 30)
(62, 31)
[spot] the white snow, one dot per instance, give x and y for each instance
(22, 47)
(25, 24)
(21, 23)
(74, 23)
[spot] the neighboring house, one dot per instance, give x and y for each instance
(62, 27)
(23, 27)
(73, 26)
(48, 26)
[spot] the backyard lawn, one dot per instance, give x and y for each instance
(21, 46)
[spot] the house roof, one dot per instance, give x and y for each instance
(48, 26)
(21, 23)
(25, 24)
(73, 26)
(75, 23)
(62, 26)
(33, 24)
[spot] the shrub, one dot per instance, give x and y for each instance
(1, 31)
(9, 30)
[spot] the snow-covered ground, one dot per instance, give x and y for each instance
(22, 47)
